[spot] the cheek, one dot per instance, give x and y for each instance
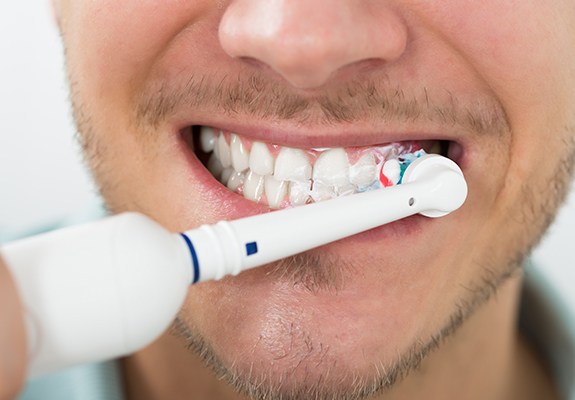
(132, 179)
(523, 51)
(528, 67)
(111, 49)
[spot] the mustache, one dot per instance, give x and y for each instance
(365, 100)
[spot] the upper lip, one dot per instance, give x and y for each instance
(319, 136)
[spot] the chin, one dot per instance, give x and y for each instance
(345, 328)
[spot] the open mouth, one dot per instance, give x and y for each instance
(281, 177)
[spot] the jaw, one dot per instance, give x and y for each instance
(366, 299)
(336, 313)
(333, 315)
(400, 283)
(287, 330)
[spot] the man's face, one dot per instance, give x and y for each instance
(493, 80)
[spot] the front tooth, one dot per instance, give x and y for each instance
(299, 193)
(215, 166)
(392, 170)
(236, 180)
(363, 172)
(292, 165)
(224, 153)
(332, 168)
(240, 155)
(207, 139)
(275, 190)
(261, 160)
(253, 186)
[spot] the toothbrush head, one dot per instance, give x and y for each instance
(447, 189)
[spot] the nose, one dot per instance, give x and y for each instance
(308, 41)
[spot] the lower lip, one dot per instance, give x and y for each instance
(227, 205)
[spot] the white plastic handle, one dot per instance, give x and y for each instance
(433, 186)
(97, 291)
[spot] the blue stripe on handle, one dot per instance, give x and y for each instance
(251, 248)
(194, 258)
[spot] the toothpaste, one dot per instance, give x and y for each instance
(372, 168)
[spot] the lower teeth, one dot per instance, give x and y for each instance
(332, 175)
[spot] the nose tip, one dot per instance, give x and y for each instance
(308, 42)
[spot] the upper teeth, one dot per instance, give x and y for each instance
(294, 176)
(332, 168)
(361, 173)
(261, 160)
(240, 156)
(223, 152)
(292, 165)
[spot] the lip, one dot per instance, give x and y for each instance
(307, 136)
(233, 206)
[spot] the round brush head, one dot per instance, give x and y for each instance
(447, 190)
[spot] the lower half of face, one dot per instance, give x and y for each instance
(340, 314)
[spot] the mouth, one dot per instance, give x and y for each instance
(279, 176)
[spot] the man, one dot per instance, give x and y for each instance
(405, 311)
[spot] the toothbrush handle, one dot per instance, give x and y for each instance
(234, 246)
(97, 291)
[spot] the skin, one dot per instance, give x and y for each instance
(12, 337)
(496, 78)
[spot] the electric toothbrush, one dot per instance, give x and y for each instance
(109, 288)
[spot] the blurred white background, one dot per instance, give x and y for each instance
(41, 175)
(42, 179)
